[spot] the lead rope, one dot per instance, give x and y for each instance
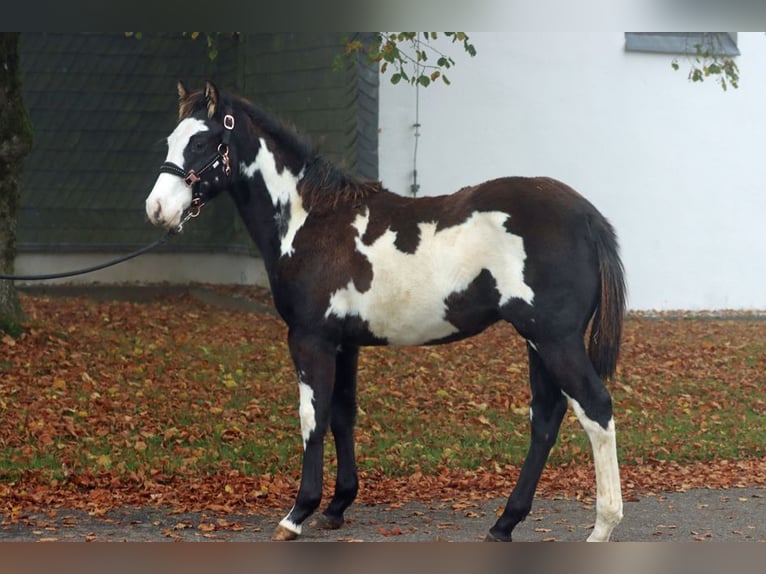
(164, 239)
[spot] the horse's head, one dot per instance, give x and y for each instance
(198, 165)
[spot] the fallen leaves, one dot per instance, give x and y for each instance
(113, 403)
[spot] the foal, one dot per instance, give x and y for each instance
(351, 264)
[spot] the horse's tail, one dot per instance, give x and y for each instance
(606, 327)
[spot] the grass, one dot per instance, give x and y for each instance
(97, 387)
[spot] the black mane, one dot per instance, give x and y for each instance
(324, 186)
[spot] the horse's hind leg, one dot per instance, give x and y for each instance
(570, 367)
(546, 412)
(342, 420)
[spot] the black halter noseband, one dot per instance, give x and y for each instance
(193, 176)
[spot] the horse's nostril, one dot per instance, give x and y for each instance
(157, 216)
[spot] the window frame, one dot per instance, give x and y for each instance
(720, 43)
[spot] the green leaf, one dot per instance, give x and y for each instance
(396, 78)
(424, 80)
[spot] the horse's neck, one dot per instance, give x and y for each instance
(273, 213)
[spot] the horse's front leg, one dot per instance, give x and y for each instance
(342, 422)
(314, 360)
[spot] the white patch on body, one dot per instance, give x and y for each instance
(608, 490)
(170, 196)
(283, 189)
(306, 411)
(289, 524)
(406, 301)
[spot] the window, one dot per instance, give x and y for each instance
(717, 43)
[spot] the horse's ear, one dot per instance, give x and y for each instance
(183, 100)
(183, 93)
(211, 97)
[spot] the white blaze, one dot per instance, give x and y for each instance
(170, 196)
(405, 303)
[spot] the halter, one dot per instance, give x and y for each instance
(193, 176)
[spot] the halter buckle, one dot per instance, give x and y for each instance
(191, 178)
(228, 122)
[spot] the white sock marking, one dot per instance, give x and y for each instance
(289, 524)
(608, 490)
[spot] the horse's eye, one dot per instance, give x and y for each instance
(198, 145)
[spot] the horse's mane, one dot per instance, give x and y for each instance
(324, 186)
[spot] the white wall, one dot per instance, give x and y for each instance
(679, 168)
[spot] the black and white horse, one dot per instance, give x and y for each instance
(351, 264)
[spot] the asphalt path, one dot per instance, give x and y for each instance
(695, 515)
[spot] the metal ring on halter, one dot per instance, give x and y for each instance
(196, 207)
(223, 151)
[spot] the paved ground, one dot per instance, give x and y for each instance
(704, 515)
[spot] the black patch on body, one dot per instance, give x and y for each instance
(403, 216)
(282, 219)
(475, 308)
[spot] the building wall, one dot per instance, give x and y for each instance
(677, 167)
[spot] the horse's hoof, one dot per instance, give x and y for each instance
(324, 522)
(282, 534)
(492, 538)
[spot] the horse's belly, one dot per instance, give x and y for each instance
(398, 320)
(407, 300)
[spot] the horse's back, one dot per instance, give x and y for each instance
(444, 267)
